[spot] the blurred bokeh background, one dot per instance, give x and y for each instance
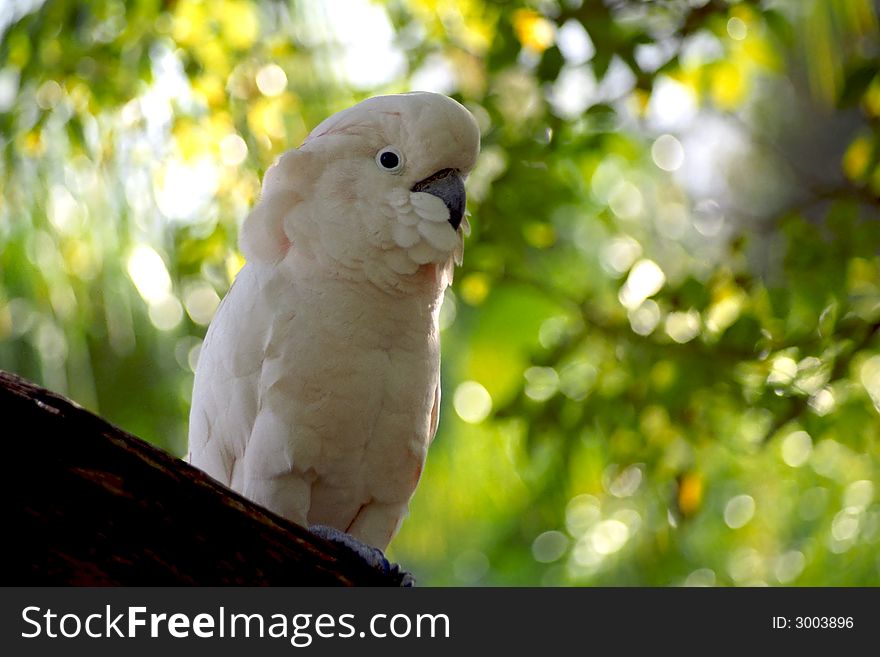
(661, 356)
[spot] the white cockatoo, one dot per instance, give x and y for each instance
(317, 390)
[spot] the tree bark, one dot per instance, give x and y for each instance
(94, 505)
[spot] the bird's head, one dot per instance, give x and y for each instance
(381, 185)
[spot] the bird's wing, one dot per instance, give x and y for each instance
(240, 433)
(287, 183)
(435, 414)
(225, 398)
(224, 403)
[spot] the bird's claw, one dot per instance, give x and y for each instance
(371, 555)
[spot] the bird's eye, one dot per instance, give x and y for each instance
(390, 159)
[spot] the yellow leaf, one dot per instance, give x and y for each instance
(5, 322)
(213, 56)
(469, 24)
(540, 235)
(728, 302)
(875, 180)
(533, 30)
(857, 158)
(664, 374)
(211, 88)
(690, 493)
(234, 263)
(761, 53)
(640, 100)
(81, 259)
(239, 25)
(18, 50)
(32, 143)
(475, 288)
(265, 118)
(871, 99)
(862, 276)
(192, 140)
(728, 85)
(188, 27)
(220, 124)
(743, 12)
(50, 53)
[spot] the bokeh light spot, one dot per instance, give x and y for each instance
(201, 302)
(271, 80)
(796, 448)
(739, 511)
(581, 513)
(166, 313)
(645, 279)
(845, 525)
(147, 270)
(789, 566)
(472, 402)
(574, 43)
(627, 482)
(859, 494)
(577, 379)
(619, 254)
(737, 29)
(683, 326)
(233, 150)
(869, 374)
(645, 318)
(609, 536)
(541, 383)
(549, 546)
(701, 577)
(626, 201)
(667, 153)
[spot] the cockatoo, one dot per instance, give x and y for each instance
(317, 390)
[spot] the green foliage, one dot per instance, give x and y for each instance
(661, 356)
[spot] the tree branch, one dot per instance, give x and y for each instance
(93, 505)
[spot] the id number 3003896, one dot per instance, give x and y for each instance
(813, 622)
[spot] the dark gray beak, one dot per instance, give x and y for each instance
(448, 186)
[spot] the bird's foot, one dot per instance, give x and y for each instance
(372, 555)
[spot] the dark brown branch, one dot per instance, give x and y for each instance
(93, 505)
